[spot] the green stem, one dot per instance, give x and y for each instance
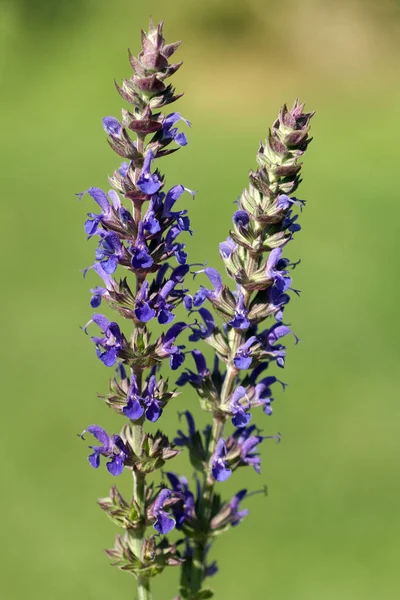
(206, 502)
(139, 483)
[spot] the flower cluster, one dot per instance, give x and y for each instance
(140, 228)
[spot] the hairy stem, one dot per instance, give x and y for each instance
(139, 483)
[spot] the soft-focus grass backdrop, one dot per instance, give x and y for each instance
(330, 527)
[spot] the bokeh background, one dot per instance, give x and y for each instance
(330, 527)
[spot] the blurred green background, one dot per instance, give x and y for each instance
(330, 527)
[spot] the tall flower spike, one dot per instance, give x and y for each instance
(140, 228)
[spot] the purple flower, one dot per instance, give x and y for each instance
(143, 311)
(236, 514)
(163, 308)
(243, 357)
(109, 251)
(99, 292)
(140, 256)
(92, 224)
(112, 126)
(189, 376)
(220, 469)
(283, 202)
(170, 133)
(277, 300)
(184, 510)
(227, 248)
(123, 169)
(168, 348)
(164, 523)
(150, 223)
(182, 221)
(216, 280)
(271, 336)
(154, 406)
(112, 341)
(182, 439)
(241, 218)
(240, 320)
(202, 332)
(148, 183)
(112, 447)
(134, 409)
(276, 270)
(240, 417)
(248, 454)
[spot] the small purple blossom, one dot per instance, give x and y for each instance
(220, 469)
(240, 320)
(168, 347)
(184, 510)
(109, 251)
(154, 406)
(276, 270)
(227, 248)
(107, 347)
(240, 417)
(189, 376)
(134, 409)
(148, 183)
(243, 357)
(143, 311)
(139, 251)
(112, 126)
(241, 219)
(236, 514)
(182, 439)
(170, 133)
(164, 522)
(216, 281)
(112, 447)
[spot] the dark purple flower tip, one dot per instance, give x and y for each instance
(164, 523)
(153, 411)
(236, 514)
(211, 569)
(241, 418)
(115, 466)
(140, 258)
(144, 312)
(97, 296)
(176, 360)
(220, 472)
(181, 139)
(241, 218)
(203, 331)
(188, 302)
(133, 410)
(147, 182)
(112, 126)
(182, 439)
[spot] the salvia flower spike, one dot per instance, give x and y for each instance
(140, 226)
